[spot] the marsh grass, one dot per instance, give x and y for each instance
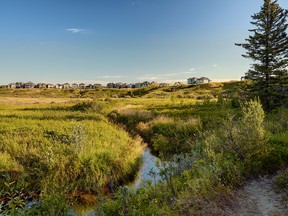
(211, 143)
(80, 149)
(169, 136)
(230, 146)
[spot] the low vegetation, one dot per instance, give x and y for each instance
(64, 154)
(48, 149)
(218, 156)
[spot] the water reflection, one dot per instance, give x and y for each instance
(149, 163)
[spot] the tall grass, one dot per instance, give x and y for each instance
(58, 151)
(220, 159)
(169, 136)
(68, 150)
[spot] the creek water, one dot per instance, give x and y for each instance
(149, 162)
(145, 172)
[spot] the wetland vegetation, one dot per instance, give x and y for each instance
(82, 151)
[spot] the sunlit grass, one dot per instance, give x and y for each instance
(80, 151)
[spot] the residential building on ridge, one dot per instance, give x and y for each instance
(12, 85)
(74, 86)
(40, 85)
(49, 85)
(195, 80)
(29, 85)
(192, 80)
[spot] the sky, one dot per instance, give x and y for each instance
(100, 41)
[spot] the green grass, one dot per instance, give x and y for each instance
(58, 146)
(220, 146)
(209, 142)
(153, 91)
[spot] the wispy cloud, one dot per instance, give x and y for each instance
(109, 77)
(161, 79)
(75, 30)
(84, 81)
(136, 2)
(167, 76)
(188, 72)
(172, 81)
(149, 78)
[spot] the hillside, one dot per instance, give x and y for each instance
(198, 91)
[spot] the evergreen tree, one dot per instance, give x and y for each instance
(268, 48)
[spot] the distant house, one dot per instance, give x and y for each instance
(12, 85)
(178, 83)
(110, 85)
(49, 85)
(192, 80)
(40, 85)
(146, 83)
(74, 86)
(131, 85)
(118, 85)
(82, 85)
(58, 86)
(154, 83)
(195, 80)
(123, 85)
(163, 84)
(138, 85)
(97, 85)
(19, 84)
(89, 86)
(203, 80)
(66, 85)
(29, 85)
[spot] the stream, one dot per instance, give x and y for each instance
(256, 198)
(149, 163)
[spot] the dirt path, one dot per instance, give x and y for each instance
(258, 198)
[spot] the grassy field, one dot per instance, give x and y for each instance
(64, 147)
(67, 147)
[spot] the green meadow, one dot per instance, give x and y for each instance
(61, 149)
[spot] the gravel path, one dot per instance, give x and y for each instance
(258, 198)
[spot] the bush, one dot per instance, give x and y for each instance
(169, 136)
(239, 148)
(87, 106)
(281, 183)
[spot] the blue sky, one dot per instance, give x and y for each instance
(123, 40)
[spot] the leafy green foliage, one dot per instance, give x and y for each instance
(281, 183)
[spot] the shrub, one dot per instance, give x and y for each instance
(87, 106)
(239, 147)
(169, 136)
(281, 183)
